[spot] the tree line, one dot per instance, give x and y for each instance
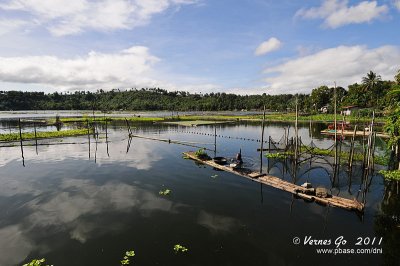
(371, 92)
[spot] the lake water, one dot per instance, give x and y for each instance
(81, 204)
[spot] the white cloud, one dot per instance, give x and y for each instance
(268, 46)
(10, 25)
(397, 4)
(337, 13)
(63, 17)
(344, 64)
(128, 68)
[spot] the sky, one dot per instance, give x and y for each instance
(243, 46)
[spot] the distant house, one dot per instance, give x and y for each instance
(348, 110)
(324, 109)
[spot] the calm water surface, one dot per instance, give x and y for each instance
(75, 207)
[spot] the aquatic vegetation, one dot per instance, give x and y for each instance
(128, 255)
(278, 155)
(179, 248)
(201, 154)
(43, 135)
(185, 157)
(379, 159)
(391, 175)
(36, 262)
(164, 192)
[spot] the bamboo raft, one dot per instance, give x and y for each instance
(359, 133)
(299, 191)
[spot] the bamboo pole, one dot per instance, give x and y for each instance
(108, 154)
(215, 139)
(36, 144)
(88, 134)
(262, 140)
(20, 139)
(297, 132)
(335, 111)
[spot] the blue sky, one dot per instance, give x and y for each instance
(246, 47)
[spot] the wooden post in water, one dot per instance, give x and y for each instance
(262, 140)
(88, 134)
(108, 154)
(20, 140)
(36, 144)
(215, 139)
(335, 103)
(297, 133)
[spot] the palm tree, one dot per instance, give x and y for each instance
(397, 77)
(370, 81)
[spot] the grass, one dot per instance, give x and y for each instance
(103, 119)
(190, 123)
(43, 135)
(273, 117)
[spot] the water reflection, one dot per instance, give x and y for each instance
(65, 202)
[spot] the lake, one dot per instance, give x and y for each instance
(76, 203)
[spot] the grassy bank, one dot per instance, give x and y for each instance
(275, 117)
(43, 135)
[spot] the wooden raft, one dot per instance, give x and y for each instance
(299, 191)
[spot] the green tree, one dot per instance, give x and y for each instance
(370, 81)
(397, 77)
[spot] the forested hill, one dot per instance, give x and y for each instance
(375, 94)
(144, 99)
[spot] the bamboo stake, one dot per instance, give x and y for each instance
(88, 134)
(108, 154)
(262, 140)
(20, 139)
(36, 144)
(335, 103)
(215, 139)
(297, 132)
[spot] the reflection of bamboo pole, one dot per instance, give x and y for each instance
(262, 140)
(351, 156)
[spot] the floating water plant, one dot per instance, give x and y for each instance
(164, 192)
(36, 262)
(391, 175)
(201, 154)
(128, 255)
(278, 155)
(179, 248)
